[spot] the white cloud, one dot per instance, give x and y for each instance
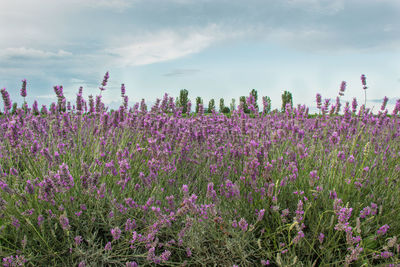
(166, 45)
(32, 53)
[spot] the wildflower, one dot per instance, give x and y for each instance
(354, 105)
(382, 230)
(108, 246)
(104, 83)
(116, 233)
(6, 99)
(334, 139)
(165, 255)
(243, 224)
(82, 264)
(234, 224)
(342, 88)
(260, 215)
(321, 238)
(64, 222)
(40, 219)
(188, 252)
(122, 90)
(298, 237)
(130, 224)
(185, 188)
(79, 213)
(78, 239)
(265, 262)
(319, 101)
(385, 100)
(363, 81)
(299, 212)
(15, 222)
(23, 89)
(29, 187)
(131, 264)
(386, 254)
(211, 192)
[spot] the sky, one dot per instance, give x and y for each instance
(213, 48)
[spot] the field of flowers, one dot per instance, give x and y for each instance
(84, 186)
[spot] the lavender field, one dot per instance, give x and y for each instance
(81, 185)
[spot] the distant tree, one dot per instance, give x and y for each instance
(198, 102)
(211, 105)
(221, 105)
(183, 100)
(266, 104)
(233, 104)
(255, 95)
(244, 104)
(286, 99)
(226, 110)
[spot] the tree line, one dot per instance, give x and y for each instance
(248, 104)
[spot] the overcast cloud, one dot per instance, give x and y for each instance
(158, 46)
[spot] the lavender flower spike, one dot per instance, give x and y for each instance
(23, 89)
(104, 83)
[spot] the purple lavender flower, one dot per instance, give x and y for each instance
(260, 215)
(116, 233)
(334, 139)
(185, 189)
(64, 222)
(6, 99)
(78, 240)
(386, 254)
(342, 88)
(40, 219)
(383, 229)
(122, 90)
(243, 224)
(15, 222)
(319, 101)
(299, 236)
(165, 255)
(23, 89)
(384, 103)
(354, 105)
(131, 264)
(108, 246)
(104, 83)
(321, 238)
(364, 81)
(234, 224)
(188, 252)
(265, 262)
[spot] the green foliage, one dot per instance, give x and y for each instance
(286, 99)
(255, 95)
(198, 102)
(233, 104)
(267, 104)
(226, 110)
(14, 108)
(221, 105)
(183, 100)
(211, 106)
(243, 103)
